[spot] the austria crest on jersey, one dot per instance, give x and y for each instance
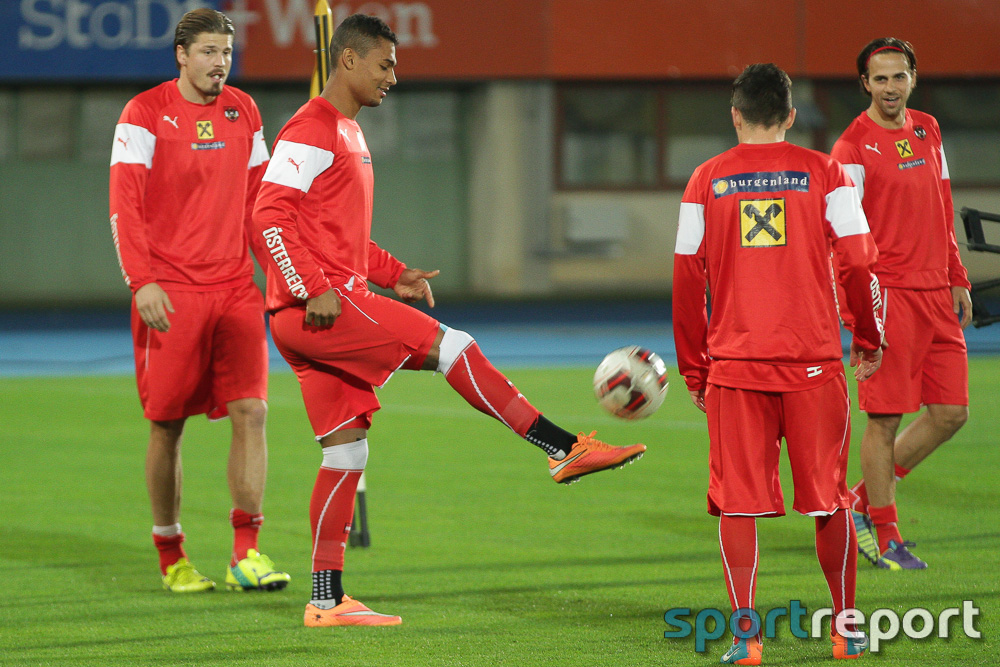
(232, 114)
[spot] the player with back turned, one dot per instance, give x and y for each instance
(187, 160)
(314, 215)
(758, 224)
(895, 157)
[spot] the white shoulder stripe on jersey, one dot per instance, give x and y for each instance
(690, 228)
(133, 144)
(844, 212)
(857, 174)
(258, 150)
(296, 165)
(945, 176)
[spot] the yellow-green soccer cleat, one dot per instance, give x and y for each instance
(256, 572)
(867, 542)
(181, 577)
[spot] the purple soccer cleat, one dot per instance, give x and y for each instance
(898, 557)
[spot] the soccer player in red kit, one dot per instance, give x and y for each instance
(314, 215)
(758, 224)
(895, 157)
(187, 161)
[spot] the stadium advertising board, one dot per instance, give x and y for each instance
(438, 39)
(62, 40)
(101, 40)
(49, 40)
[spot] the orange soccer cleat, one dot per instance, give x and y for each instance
(591, 455)
(348, 612)
(747, 651)
(849, 648)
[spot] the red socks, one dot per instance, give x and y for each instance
(170, 549)
(738, 544)
(331, 511)
(884, 518)
(886, 527)
(836, 547)
(837, 550)
(245, 529)
(859, 495)
(859, 498)
(487, 390)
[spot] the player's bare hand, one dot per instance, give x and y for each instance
(412, 286)
(153, 305)
(866, 361)
(323, 310)
(698, 398)
(962, 305)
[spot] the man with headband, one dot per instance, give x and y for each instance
(895, 158)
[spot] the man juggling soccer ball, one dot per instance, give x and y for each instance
(314, 215)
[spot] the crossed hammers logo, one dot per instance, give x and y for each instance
(763, 221)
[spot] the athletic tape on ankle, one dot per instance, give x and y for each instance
(167, 531)
(453, 344)
(349, 456)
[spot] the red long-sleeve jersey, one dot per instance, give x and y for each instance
(905, 188)
(314, 210)
(184, 177)
(758, 224)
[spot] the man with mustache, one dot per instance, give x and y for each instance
(186, 164)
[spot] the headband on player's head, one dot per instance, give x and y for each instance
(885, 48)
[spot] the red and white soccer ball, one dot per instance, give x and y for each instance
(631, 382)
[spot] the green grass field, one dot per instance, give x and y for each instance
(487, 561)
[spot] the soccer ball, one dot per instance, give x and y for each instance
(631, 382)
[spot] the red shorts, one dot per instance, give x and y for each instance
(339, 367)
(214, 353)
(745, 428)
(926, 361)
